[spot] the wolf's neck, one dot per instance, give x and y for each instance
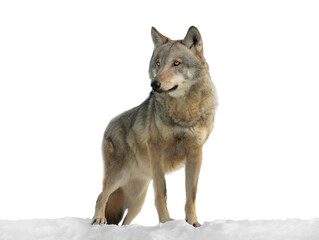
(189, 109)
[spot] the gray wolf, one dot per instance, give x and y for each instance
(162, 134)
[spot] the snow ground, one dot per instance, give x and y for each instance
(77, 228)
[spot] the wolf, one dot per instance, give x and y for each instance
(162, 134)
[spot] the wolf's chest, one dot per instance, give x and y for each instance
(174, 153)
(178, 136)
(177, 147)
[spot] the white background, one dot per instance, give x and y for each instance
(68, 67)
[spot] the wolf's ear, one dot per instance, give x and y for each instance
(158, 38)
(193, 41)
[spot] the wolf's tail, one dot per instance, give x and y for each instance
(115, 207)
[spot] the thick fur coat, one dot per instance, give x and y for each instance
(166, 131)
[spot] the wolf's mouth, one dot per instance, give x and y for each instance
(172, 89)
(166, 91)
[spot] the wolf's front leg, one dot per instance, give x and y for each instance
(192, 169)
(160, 194)
(159, 184)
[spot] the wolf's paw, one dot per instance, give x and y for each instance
(98, 220)
(195, 224)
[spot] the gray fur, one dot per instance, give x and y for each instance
(166, 131)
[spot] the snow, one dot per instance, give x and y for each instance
(77, 228)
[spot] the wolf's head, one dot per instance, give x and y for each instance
(176, 65)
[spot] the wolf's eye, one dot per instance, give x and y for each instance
(176, 63)
(158, 63)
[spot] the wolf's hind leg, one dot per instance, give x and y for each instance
(135, 192)
(110, 184)
(99, 216)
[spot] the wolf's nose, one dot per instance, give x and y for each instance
(156, 85)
